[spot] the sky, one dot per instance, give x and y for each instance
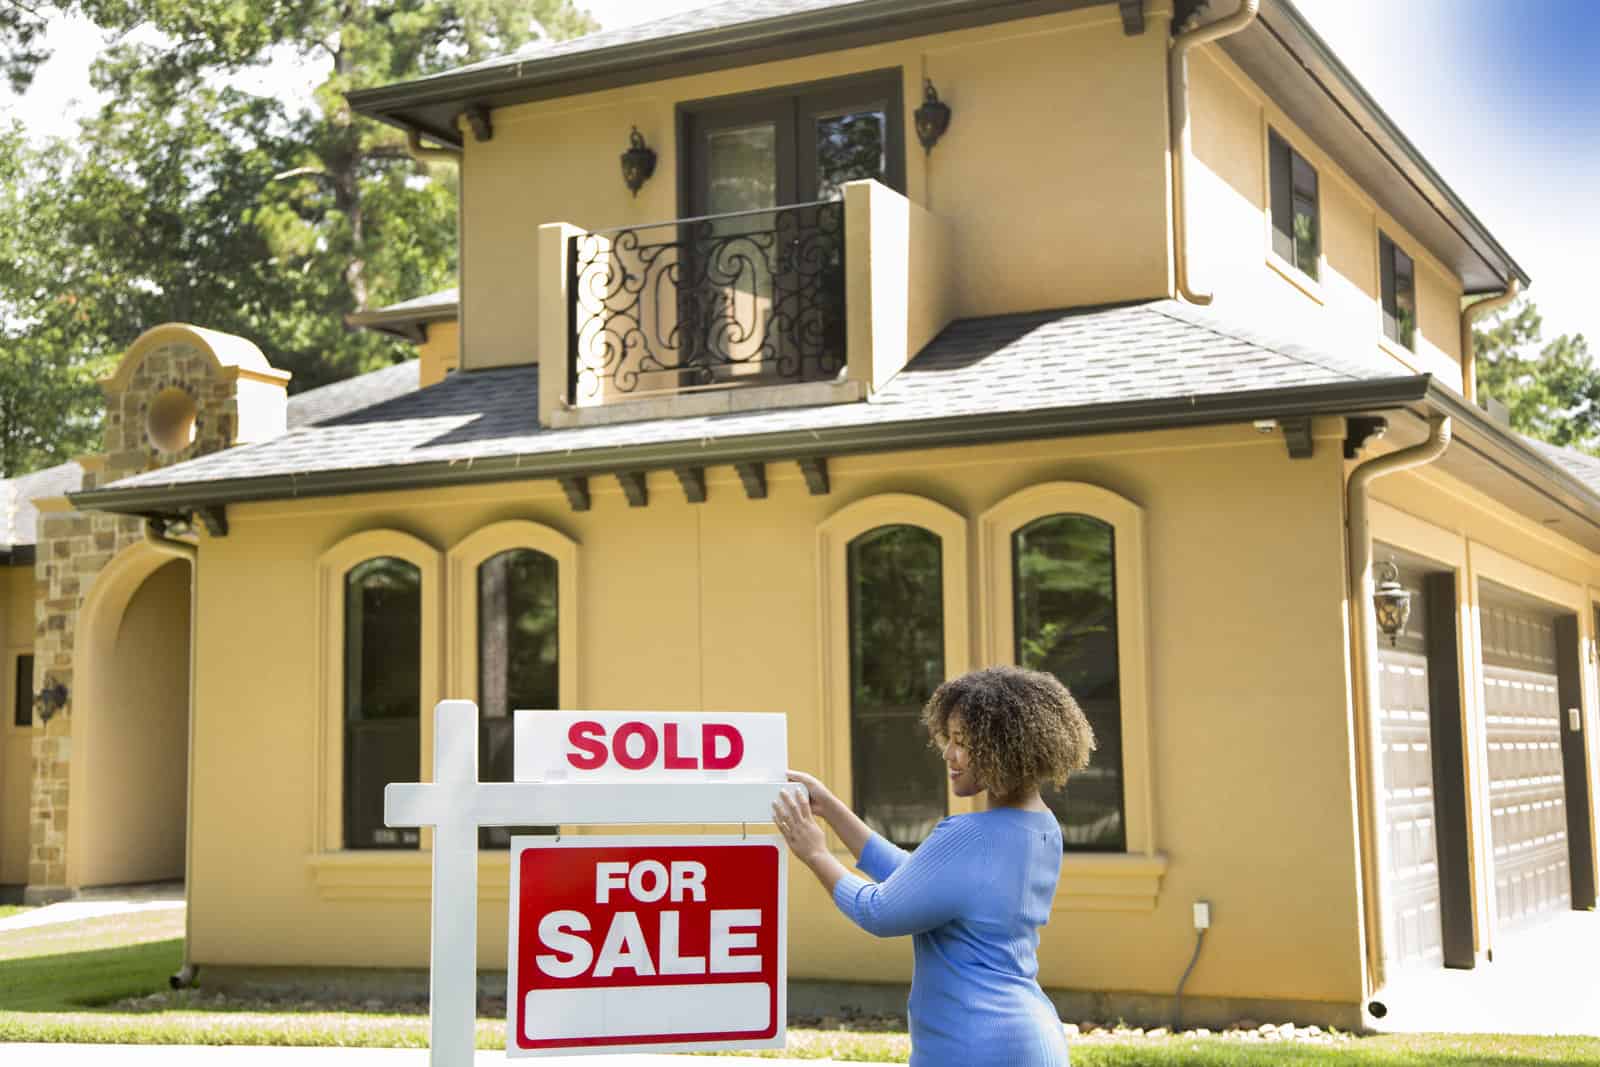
(1501, 96)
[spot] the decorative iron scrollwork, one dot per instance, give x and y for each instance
(721, 301)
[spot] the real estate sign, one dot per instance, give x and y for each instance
(616, 943)
(626, 944)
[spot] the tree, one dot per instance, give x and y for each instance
(49, 404)
(22, 27)
(190, 198)
(384, 235)
(1552, 389)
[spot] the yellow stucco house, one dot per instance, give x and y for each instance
(1115, 340)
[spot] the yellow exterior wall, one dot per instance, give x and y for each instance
(440, 353)
(16, 742)
(1075, 102)
(132, 821)
(1231, 235)
(716, 606)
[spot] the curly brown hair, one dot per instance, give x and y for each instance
(1021, 728)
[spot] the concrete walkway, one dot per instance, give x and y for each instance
(95, 903)
(259, 1056)
(1545, 980)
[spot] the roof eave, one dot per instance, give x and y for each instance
(1144, 415)
(1387, 133)
(639, 59)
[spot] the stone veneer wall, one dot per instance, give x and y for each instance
(73, 547)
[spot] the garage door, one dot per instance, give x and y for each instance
(1527, 792)
(1412, 932)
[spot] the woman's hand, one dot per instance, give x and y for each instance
(792, 814)
(823, 802)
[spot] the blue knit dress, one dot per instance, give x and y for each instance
(973, 896)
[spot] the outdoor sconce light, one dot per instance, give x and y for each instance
(638, 162)
(933, 117)
(50, 699)
(1391, 602)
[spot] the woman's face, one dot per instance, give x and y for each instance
(963, 779)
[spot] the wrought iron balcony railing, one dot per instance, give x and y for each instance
(722, 301)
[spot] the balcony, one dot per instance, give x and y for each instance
(800, 305)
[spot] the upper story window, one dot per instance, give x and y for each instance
(382, 694)
(896, 610)
(22, 709)
(1296, 215)
(793, 146)
(1399, 283)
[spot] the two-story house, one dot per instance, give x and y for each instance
(809, 353)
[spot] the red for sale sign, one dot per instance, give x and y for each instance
(623, 944)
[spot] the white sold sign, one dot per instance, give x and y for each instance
(646, 944)
(645, 746)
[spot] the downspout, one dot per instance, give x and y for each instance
(1469, 314)
(1368, 744)
(157, 539)
(1178, 110)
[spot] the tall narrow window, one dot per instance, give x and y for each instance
(896, 604)
(1064, 582)
(1296, 219)
(22, 709)
(382, 695)
(1399, 293)
(518, 660)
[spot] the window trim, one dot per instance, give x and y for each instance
(1287, 268)
(1119, 881)
(834, 535)
(332, 567)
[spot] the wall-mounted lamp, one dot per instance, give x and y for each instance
(1391, 602)
(638, 162)
(933, 117)
(49, 700)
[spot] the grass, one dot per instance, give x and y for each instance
(105, 981)
(8, 910)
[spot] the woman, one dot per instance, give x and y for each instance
(974, 894)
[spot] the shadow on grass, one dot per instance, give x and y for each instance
(69, 981)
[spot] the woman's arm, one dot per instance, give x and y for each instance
(935, 885)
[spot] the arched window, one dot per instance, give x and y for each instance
(893, 588)
(378, 628)
(513, 634)
(896, 661)
(518, 658)
(1064, 592)
(382, 694)
(1063, 570)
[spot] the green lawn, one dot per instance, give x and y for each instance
(105, 980)
(8, 910)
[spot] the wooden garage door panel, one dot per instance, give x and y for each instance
(1527, 792)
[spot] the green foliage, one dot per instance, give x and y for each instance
(190, 199)
(21, 47)
(1552, 389)
(49, 404)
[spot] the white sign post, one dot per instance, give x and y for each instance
(573, 769)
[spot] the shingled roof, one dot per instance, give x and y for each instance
(19, 514)
(1048, 373)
